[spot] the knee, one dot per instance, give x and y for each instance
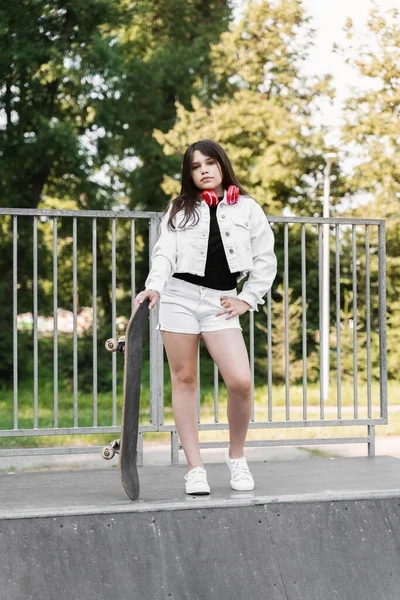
(185, 378)
(241, 386)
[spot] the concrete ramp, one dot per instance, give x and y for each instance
(327, 550)
(316, 529)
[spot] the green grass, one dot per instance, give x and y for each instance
(104, 407)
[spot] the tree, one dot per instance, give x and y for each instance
(166, 50)
(83, 87)
(371, 134)
(371, 115)
(259, 108)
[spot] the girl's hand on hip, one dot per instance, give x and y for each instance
(233, 307)
(150, 294)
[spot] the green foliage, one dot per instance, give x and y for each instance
(371, 127)
(371, 135)
(120, 88)
(282, 337)
(84, 86)
(50, 55)
(165, 48)
(260, 110)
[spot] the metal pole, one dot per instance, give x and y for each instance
(325, 280)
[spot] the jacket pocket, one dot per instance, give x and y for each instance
(241, 222)
(241, 228)
(186, 236)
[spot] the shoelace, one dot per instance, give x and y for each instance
(240, 469)
(195, 475)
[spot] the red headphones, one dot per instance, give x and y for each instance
(212, 199)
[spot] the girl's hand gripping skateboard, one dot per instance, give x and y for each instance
(152, 295)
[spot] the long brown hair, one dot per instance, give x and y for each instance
(189, 198)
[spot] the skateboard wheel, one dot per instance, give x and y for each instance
(111, 345)
(108, 453)
(121, 344)
(116, 445)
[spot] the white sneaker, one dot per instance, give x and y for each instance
(241, 479)
(196, 481)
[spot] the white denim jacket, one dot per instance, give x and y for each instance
(247, 239)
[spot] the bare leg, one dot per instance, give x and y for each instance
(182, 352)
(228, 350)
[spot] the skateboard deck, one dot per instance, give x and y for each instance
(131, 400)
(131, 346)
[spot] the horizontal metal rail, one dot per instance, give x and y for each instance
(73, 450)
(202, 427)
(127, 214)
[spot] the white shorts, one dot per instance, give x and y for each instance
(190, 308)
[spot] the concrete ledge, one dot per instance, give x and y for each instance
(202, 504)
(99, 491)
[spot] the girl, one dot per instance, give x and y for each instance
(212, 235)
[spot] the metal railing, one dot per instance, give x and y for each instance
(357, 305)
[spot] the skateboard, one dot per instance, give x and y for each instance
(126, 447)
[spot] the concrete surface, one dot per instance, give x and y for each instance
(94, 491)
(313, 551)
(326, 529)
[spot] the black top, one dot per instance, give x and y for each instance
(217, 274)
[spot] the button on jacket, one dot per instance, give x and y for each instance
(247, 239)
